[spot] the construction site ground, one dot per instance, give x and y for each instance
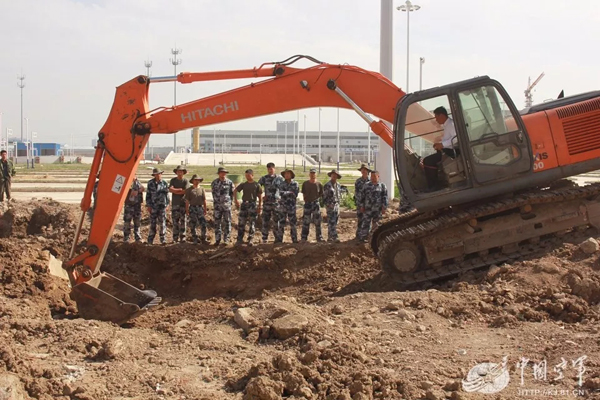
(316, 321)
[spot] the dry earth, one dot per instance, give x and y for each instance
(312, 321)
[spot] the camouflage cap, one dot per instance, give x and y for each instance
(222, 169)
(156, 171)
(195, 177)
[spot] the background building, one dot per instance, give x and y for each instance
(39, 149)
(354, 146)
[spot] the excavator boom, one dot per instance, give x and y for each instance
(122, 140)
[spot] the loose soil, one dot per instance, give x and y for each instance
(293, 321)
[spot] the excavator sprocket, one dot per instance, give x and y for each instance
(419, 249)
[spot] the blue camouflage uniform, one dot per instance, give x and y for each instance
(374, 199)
(286, 209)
(270, 183)
(358, 187)
(133, 211)
(222, 192)
(331, 199)
(157, 198)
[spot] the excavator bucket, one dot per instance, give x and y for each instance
(107, 298)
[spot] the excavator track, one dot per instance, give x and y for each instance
(406, 241)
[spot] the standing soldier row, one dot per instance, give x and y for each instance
(279, 201)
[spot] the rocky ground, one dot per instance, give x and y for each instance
(314, 321)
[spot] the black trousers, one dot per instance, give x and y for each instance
(431, 163)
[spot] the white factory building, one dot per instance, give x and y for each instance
(353, 145)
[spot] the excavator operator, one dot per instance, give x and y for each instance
(444, 146)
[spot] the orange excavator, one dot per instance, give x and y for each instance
(503, 193)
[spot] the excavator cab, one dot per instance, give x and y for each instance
(490, 148)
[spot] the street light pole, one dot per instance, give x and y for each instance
(304, 155)
(319, 139)
(338, 139)
(384, 160)
(285, 146)
(421, 62)
(33, 136)
(27, 141)
(175, 61)
(369, 146)
(21, 85)
(408, 8)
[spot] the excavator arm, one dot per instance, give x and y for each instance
(122, 140)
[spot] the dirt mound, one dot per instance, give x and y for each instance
(33, 233)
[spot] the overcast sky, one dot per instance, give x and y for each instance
(75, 52)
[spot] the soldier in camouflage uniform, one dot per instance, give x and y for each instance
(249, 210)
(312, 192)
(358, 187)
(286, 208)
(157, 201)
(195, 208)
(374, 204)
(133, 210)
(331, 198)
(222, 192)
(270, 184)
(177, 187)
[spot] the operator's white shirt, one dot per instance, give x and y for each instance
(449, 134)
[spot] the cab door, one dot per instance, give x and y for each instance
(498, 145)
